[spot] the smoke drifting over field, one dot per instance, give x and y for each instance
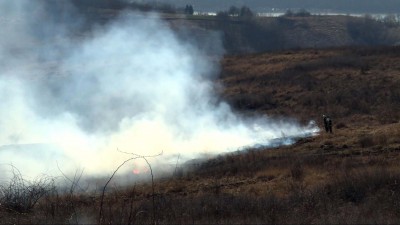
(131, 85)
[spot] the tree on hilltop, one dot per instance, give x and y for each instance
(246, 12)
(189, 10)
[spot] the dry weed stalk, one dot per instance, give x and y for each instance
(74, 184)
(135, 156)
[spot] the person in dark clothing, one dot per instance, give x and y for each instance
(327, 123)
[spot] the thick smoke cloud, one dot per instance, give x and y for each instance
(76, 97)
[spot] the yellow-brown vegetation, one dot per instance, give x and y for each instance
(350, 176)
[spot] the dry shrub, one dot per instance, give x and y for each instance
(267, 175)
(366, 141)
(21, 195)
(389, 115)
(381, 139)
(385, 135)
(356, 185)
(341, 125)
(297, 171)
(394, 134)
(252, 101)
(330, 62)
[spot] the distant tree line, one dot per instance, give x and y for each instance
(343, 6)
(114, 4)
(243, 31)
(233, 11)
(189, 10)
(124, 4)
(300, 13)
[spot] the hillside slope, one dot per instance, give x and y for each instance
(260, 34)
(350, 176)
(355, 86)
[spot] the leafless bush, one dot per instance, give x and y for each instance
(21, 195)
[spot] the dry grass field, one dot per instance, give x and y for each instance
(350, 176)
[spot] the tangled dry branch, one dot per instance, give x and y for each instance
(21, 195)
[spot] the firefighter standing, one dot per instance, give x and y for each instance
(327, 123)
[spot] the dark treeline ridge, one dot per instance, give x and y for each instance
(242, 31)
(122, 4)
(348, 6)
(85, 5)
(247, 33)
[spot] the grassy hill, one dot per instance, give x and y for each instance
(350, 176)
(260, 34)
(347, 83)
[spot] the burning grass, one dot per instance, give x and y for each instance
(350, 176)
(300, 183)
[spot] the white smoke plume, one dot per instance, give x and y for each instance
(74, 98)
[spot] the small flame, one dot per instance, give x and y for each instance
(136, 171)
